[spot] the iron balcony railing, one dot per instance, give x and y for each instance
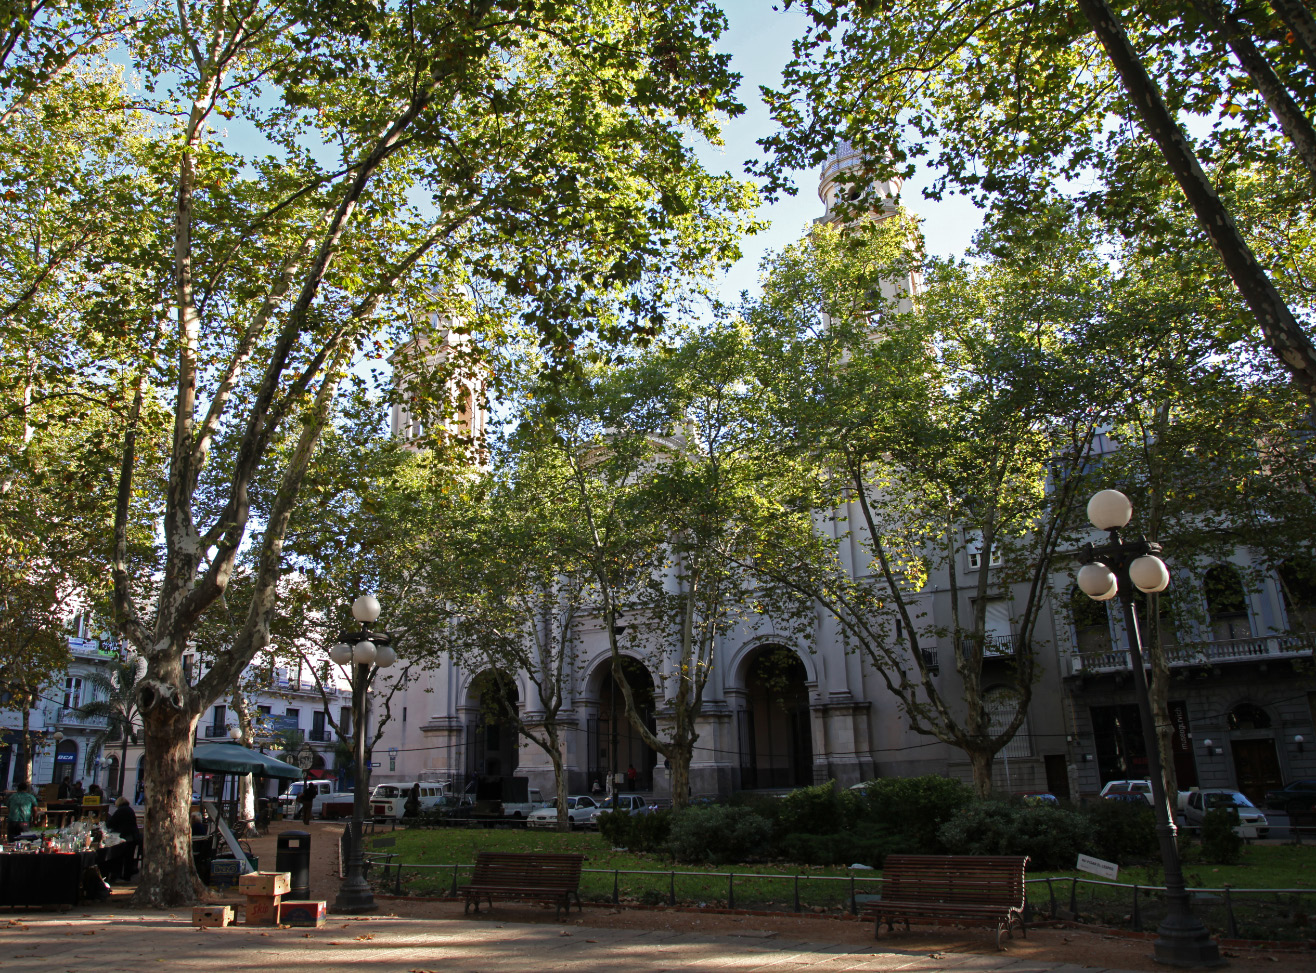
(1203, 653)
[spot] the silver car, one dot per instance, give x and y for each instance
(1199, 802)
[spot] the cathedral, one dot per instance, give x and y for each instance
(778, 715)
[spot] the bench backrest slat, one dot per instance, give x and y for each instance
(964, 879)
(521, 869)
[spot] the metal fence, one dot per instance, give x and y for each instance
(1266, 914)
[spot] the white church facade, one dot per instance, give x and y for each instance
(777, 714)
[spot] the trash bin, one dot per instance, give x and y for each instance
(293, 855)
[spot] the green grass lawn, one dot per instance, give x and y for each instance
(1262, 867)
(605, 867)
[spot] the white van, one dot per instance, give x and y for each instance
(390, 800)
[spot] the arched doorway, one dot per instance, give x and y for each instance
(615, 745)
(1252, 740)
(492, 741)
(774, 728)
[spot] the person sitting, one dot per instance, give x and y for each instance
(75, 792)
(95, 791)
(123, 821)
(199, 829)
(65, 789)
(22, 809)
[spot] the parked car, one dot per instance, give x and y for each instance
(1039, 798)
(1128, 790)
(1298, 795)
(288, 799)
(580, 808)
(1210, 798)
(630, 803)
(390, 800)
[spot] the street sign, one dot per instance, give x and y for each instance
(374, 764)
(1108, 870)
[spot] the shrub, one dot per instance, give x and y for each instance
(636, 832)
(1220, 842)
(1051, 837)
(911, 810)
(817, 810)
(1121, 831)
(718, 835)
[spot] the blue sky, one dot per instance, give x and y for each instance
(759, 41)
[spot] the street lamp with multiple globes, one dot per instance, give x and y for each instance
(367, 651)
(1118, 568)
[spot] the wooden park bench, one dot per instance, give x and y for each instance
(525, 876)
(951, 888)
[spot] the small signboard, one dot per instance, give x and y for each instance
(65, 757)
(373, 764)
(1086, 863)
(91, 800)
(305, 758)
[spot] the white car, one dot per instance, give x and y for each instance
(1127, 790)
(621, 802)
(580, 810)
(390, 800)
(1250, 820)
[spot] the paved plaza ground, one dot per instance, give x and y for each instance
(423, 936)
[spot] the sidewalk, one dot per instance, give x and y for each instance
(105, 943)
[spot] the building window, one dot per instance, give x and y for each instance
(1091, 624)
(294, 716)
(1297, 586)
(1226, 603)
(1248, 716)
(973, 545)
(404, 714)
(1000, 704)
(72, 692)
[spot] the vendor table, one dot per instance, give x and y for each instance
(44, 878)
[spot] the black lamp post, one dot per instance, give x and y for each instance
(58, 736)
(1118, 567)
(366, 651)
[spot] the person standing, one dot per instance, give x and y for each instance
(22, 808)
(631, 776)
(411, 809)
(307, 801)
(123, 821)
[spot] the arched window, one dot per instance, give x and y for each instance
(1000, 704)
(1297, 585)
(1091, 623)
(1248, 716)
(1226, 603)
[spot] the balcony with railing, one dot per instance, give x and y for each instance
(215, 731)
(322, 736)
(993, 646)
(73, 717)
(1203, 653)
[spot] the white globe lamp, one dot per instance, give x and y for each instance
(365, 609)
(235, 733)
(363, 653)
(1109, 510)
(385, 656)
(1149, 574)
(341, 653)
(1097, 582)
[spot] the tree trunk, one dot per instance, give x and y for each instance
(981, 762)
(168, 878)
(1283, 334)
(246, 786)
(679, 778)
(560, 782)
